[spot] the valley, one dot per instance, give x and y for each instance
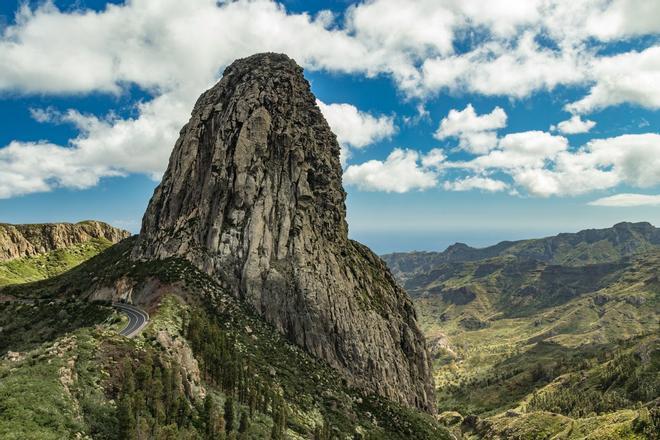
(566, 326)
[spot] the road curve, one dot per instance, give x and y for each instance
(137, 319)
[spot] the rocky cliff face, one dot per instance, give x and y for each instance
(17, 241)
(253, 197)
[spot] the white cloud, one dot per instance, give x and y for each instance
(158, 44)
(528, 66)
(404, 27)
(475, 182)
(634, 158)
(528, 149)
(628, 77)
(627, 200)
(574, 125)
(34, 167)
(355, 128)
(174, 53)
(434, 158)
(402, 171)
(105, 147)
(466, 120)
(542, 165)
(625, 18)
(476, 134)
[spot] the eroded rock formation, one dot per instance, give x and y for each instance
(253, 196)
(17, 241)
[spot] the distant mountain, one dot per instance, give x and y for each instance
(572, 249)
(565, 324)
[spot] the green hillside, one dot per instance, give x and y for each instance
(534, 348)
(201, 342)
(42, 266)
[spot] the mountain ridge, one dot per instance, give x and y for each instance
(26, 240)
(579, 248)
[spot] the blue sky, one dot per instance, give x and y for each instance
(458, 123)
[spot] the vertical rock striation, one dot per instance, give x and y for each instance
(253, 196)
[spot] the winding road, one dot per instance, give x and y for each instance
(137, 319)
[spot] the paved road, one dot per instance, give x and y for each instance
(137, 319)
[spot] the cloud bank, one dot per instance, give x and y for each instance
(172, 53)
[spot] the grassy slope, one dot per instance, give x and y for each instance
(312, 390)
(510, 327)
(46, 265)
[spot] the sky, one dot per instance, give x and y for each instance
(459, 120)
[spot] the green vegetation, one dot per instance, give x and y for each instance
(47, 265)
(545, 338)
(246, 381)
(33, 401)
(626, 378)
(24, 325)
(522, 349)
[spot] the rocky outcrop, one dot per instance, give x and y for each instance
(253, 196)
(18, 241)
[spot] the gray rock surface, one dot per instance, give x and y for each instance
(253, 196)
(18, 241)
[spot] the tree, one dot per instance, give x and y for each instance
(243, 426)
(279, 418)
(125, 418)
(230, 415)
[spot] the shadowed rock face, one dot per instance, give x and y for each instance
(253, 196)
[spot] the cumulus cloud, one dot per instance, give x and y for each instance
(624, 18)
(543, 165)
(107, 146)
(36, 167)
(355, 128)
(529, 67)
(627, 200)
(627, 77)
(528, 149)
(156, 43)
(476, 134)
(475, 182)
(600, 164)
(173, 53)
(400, 172)
(574, 125)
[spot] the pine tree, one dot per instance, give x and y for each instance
(230, 415)
(279, 418)
(243, 426)
(125, 418)
(207, 415)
